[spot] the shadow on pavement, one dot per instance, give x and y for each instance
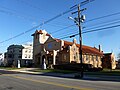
(86, 77)
(7, 72)
(69, 76)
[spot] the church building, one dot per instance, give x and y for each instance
(52, 51)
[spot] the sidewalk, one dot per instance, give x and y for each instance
(72, 75)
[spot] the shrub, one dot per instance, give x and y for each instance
(73, 66)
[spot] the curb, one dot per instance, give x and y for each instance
(86, 77)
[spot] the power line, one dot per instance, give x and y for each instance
(31, 5)
(92, 20)
(109, 15)
(100, 29)
(15, 13)
(35, 7)
(38, 25)
(73, 7)
(66, 34)
(89, 31)
(19, 42)
(101, 23)
(109, 23)
(95, 30)
(47, 21)
(62, 29)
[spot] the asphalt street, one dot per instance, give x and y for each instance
(19, 81)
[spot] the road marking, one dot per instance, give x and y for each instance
(50, 83)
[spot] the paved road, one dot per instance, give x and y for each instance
(18, 81)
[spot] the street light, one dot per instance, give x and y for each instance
(74, 19)
(82, 19)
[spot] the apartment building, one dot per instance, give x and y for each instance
(19, 52)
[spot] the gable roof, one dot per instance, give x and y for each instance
(40, 32)
(85, 49)
(107, 53)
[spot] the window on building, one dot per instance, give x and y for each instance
(11, 51)
(29, 51)
(99, 58)
(87, 57)
(64, 57)
(92, 57)
(96, 58)
(25, 51)
(9, 55)
(29, 56)
(74, 49)
(83, 58)
(25, 55)
(20, 50)
(75, 58)
(76, 55)
(19, 56)
(5, 56)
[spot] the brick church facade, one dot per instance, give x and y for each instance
(56, 51)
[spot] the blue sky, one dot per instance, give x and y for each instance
(18, 16)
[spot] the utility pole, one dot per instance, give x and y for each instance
(78, 22)
(80, 38)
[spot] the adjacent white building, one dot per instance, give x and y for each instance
(1, 59)
(24, 53)
(27, 54)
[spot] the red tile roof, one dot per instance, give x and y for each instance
(40, 32)
(85, 49)
(47, 34)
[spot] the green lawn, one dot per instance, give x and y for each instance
(106, 72)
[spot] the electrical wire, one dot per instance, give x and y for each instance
(15, 13)
(101, 29)
(105, 16)
(36, 7)
(62, 29)
(31, 5)
(47, 21)
(95, 30)
(109, 23)
(89, 31)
